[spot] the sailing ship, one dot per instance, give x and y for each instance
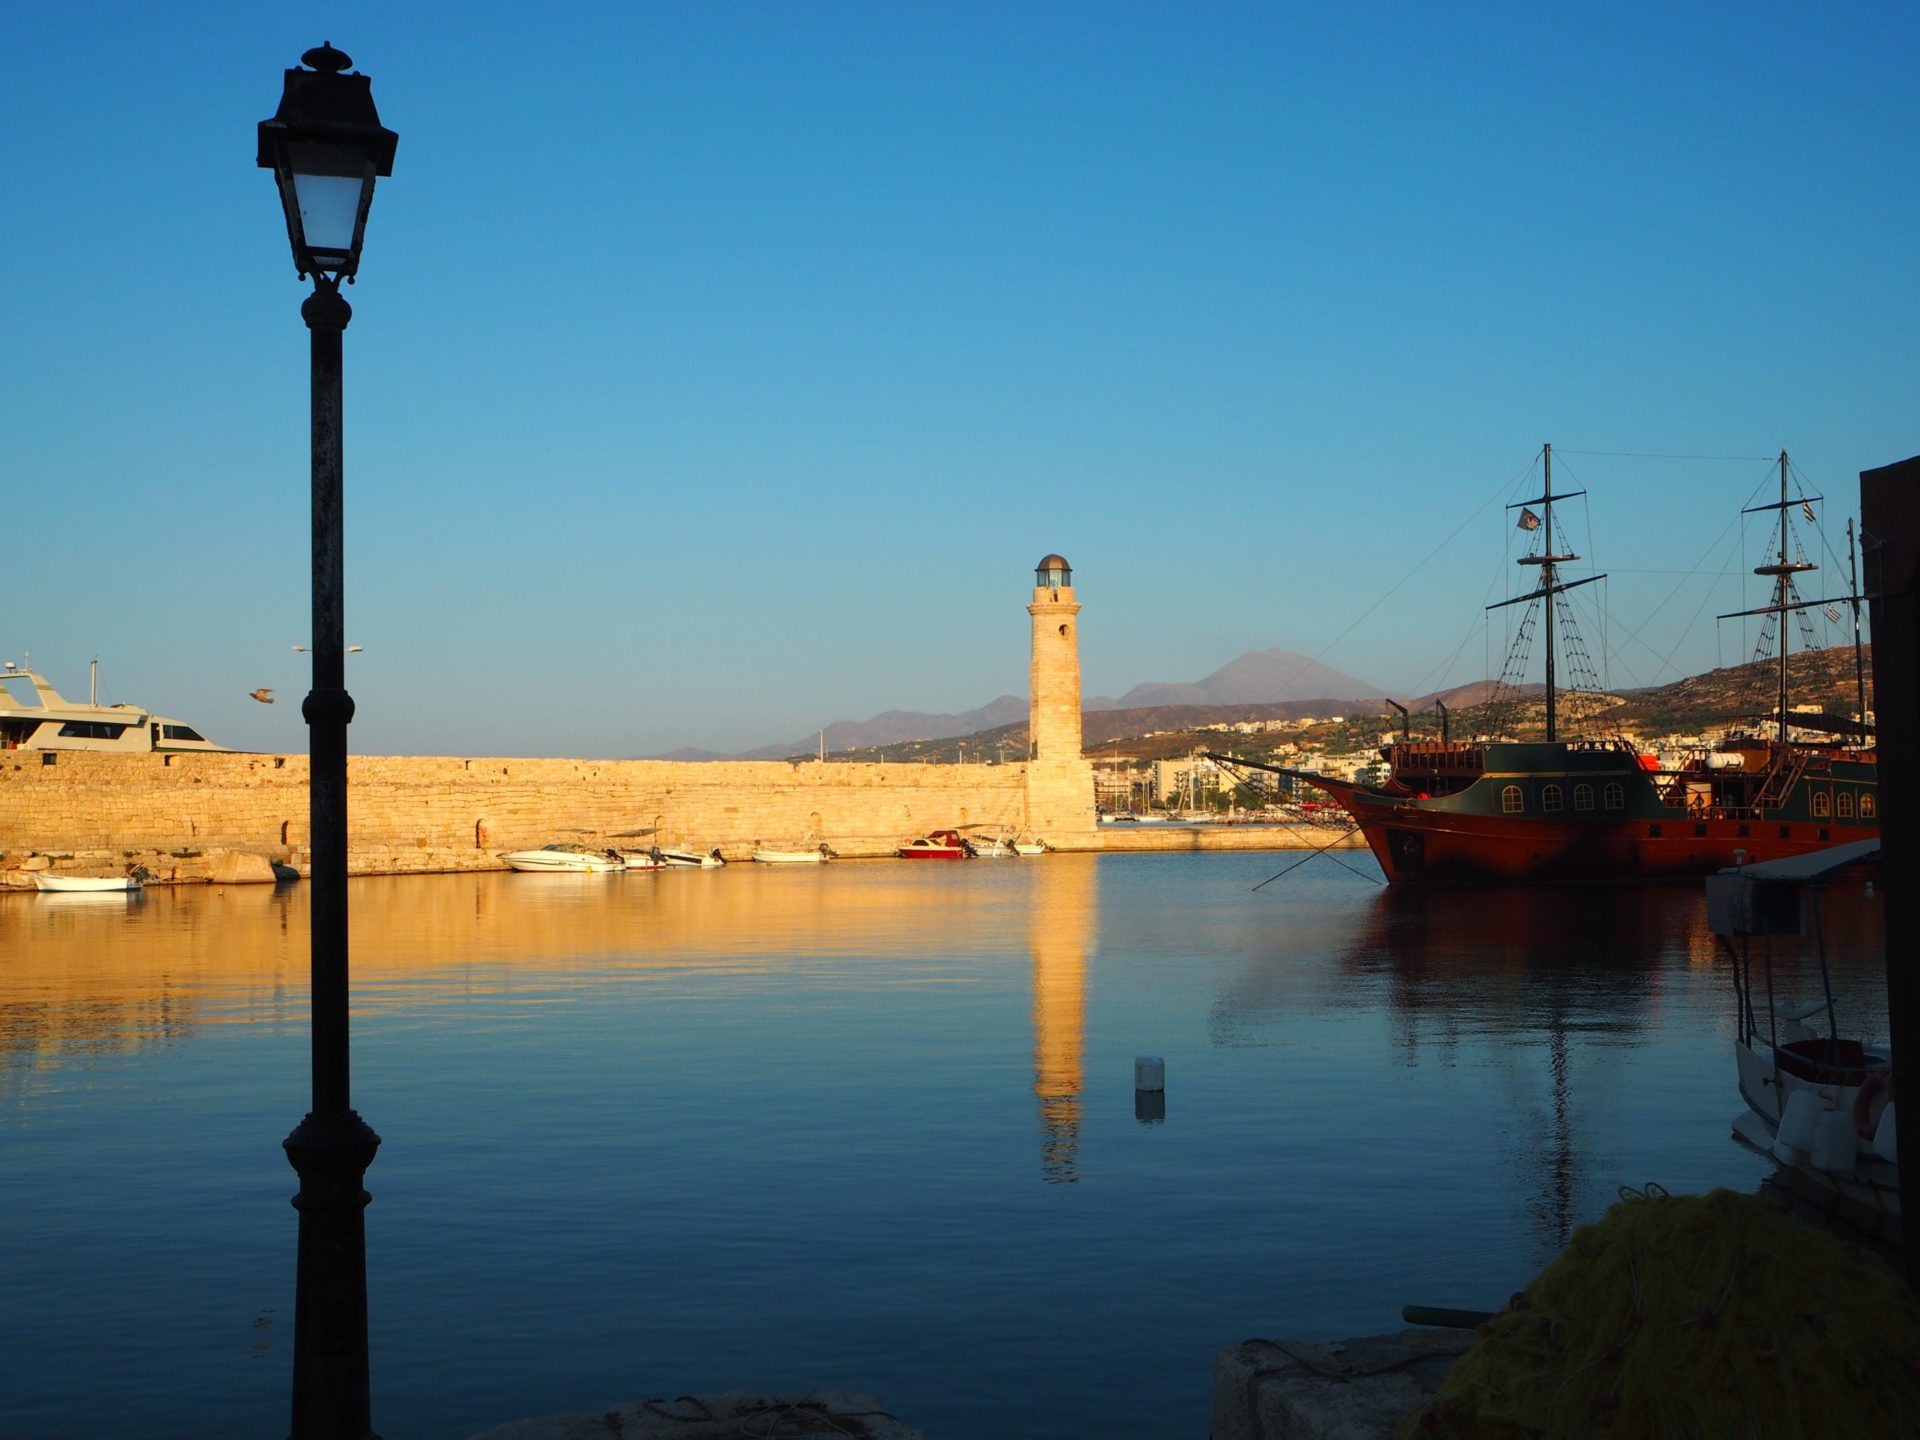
(1596, 809)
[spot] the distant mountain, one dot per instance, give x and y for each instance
(893, 727)
(1259, 677)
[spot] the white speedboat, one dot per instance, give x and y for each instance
(642, 860)
(86, 884)
(1030, 847)
(819, 855)
(563, 857)
(693, 859)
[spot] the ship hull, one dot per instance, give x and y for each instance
(1453, 841)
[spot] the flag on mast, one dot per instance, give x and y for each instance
(1528, 520)
(1806, 509)
(1833, 613)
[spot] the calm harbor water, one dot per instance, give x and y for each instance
(867, 1124)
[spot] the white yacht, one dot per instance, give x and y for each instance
(35, 716)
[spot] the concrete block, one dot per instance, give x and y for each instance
(238, 867)
(1339, 1390)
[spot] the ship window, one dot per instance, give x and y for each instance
(1616, 797)
(182, 732)
(1583, 797)
(1653, 831)
(1511, 800)
(91, 730)
(1550, 797)
(1822, 833)
(1866, 806)
(1745, 830)
(1699, 830)
(1822, 802)
(1786, 832)
(1843, 805)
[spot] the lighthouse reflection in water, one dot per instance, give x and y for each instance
(872, 1125)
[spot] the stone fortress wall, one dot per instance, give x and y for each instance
(411, 813)
(237, 816)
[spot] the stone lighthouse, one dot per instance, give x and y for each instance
(1059, 778)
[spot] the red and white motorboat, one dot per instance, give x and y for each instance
(937, 845)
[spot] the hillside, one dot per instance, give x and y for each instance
(1699, 703)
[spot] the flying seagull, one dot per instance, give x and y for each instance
(264, 696)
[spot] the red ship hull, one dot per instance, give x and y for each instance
(1416, 845)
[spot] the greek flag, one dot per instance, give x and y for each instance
(1833, 613)
(1806, 509)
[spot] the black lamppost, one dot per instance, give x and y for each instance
(325, 146)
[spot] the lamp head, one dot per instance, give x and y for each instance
(326, 147)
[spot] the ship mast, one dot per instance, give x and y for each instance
(1549, 562)
(1782, 570)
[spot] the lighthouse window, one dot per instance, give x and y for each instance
(1550, 797)
(1866, 807)
(1512, 801)
(1843, 805)
(1583, 797)
(1616, 798)
(1822, 803)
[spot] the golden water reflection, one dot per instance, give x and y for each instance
(1065, 900)
(104, 973)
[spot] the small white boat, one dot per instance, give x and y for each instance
(86, 884)
(691, 859)
(643, 860)
(1819, 1104)
(1030, 847)
(564, 857)
(819, 855)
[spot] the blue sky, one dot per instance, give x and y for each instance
(720, 371)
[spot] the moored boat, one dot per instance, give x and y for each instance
(91, 884)
(691, 859)
(1817, 1099)
(937, 845)
(564, 857)
(819, 855)
(1597, 809)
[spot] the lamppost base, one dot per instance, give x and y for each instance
(332, 1392)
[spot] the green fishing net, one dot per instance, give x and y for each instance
(1692, 1317)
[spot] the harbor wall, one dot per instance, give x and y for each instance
(194, 817)
(417, 813)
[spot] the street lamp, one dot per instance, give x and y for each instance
(325, 146)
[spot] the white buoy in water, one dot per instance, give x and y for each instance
(1149, 1073)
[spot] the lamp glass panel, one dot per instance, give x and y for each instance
(329, 204)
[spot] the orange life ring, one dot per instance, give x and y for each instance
(1876, 1081)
